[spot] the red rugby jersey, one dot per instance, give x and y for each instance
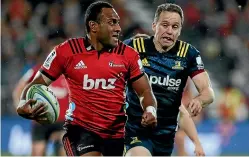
(59, 87)
(96, 81)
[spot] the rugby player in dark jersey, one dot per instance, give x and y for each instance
(168, 62)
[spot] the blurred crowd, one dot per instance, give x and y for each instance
(218, 28)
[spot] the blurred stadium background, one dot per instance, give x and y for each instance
(218, 28)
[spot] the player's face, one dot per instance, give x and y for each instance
(109, 28)
(167, 29)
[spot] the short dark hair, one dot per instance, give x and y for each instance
(93, 12)
(170, 7)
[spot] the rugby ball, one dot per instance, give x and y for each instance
(42, 93)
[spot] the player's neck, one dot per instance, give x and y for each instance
(93, 41)
(159, 47)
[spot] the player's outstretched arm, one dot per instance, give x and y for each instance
(187, 124)
(147, 100)
(206, 93)
(24, 107)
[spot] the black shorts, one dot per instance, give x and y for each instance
(43, 132)
(155, 148)
(78, 141)
(158, 145)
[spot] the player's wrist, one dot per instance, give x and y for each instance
(197, 142)
(152, 110)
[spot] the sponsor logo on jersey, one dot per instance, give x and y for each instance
(49, 59)
(112, 64)
(199, 62)
(177, 66)
(80, 65)
(81, 147)
(171, 83)
(100, 83)
(145, 62)
(140, 64)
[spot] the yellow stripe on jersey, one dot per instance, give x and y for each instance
(180, 47)
(138, 45)
(142, 44)
(134, 44)
(183, 48)
(186, 50)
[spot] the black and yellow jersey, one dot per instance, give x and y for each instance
(168, 73)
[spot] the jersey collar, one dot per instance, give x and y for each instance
(89, 46)
(152, 48)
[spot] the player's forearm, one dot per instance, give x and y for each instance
(148, 99)
(187, 124)
(206, 96)
(17, 93)
(24, 91)
(39, 79)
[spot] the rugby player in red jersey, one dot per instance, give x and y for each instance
(97, 69)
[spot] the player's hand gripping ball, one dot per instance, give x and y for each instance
(44, 95)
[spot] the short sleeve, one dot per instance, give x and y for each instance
(135, 66)
(196, 63)
(53, 66)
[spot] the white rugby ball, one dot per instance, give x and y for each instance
(42, 93)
